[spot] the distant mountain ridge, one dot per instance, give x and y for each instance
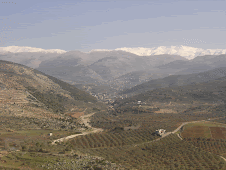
(105, 67)
(185, 51)
(177, 80)
(117, 69)
(17, 49)
(196, 98)
(98, 67)
(196, 65)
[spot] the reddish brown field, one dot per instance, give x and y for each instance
(218, 132)
(77, 114)
(195, 132)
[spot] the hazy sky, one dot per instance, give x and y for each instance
(109, 24)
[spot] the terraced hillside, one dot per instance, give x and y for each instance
(26, 92)
(34, 105)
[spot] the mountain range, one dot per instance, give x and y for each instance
(191, 96)
(116, 69)
(40, 112)
(17, 49)
(176, 80)
(185, 51)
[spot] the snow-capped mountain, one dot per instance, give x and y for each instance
(17, 49)
(184, 51)
(99, 50)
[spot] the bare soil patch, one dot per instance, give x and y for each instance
(165, 111)
(76, 114)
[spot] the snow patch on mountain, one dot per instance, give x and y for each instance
(99, 50)
(17, 49)
(184, 51)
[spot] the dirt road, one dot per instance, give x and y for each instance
(175, 131)
(83, 119)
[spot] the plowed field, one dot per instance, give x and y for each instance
(218, 132)
(196, 131)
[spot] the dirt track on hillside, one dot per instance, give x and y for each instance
(83, 119)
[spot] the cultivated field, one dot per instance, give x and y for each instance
(204, 130)
(167, 153)
(208, 136)
(218, 132)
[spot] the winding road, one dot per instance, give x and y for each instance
(176, 130)
(83, 119)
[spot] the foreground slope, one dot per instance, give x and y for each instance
(26, 92)
(35, 109)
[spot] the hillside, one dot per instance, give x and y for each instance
(197, 98)
(51, 105)
(35, 109)
(116, 69)
(101, 65)
(105, 68)
(196, 65)
(28, 93)
(176, 80)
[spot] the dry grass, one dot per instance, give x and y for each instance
(76, 114)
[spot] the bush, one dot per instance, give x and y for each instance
(96, 109)
(24, 148)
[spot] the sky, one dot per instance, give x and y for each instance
(109, 24)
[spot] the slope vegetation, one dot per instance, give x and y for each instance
(26, 92)
(176, 80)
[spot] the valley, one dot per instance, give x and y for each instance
(113, 85)
(53, 122)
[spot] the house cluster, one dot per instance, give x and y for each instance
(107, 98)
(140, 102)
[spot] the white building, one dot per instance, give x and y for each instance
(160, 132)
